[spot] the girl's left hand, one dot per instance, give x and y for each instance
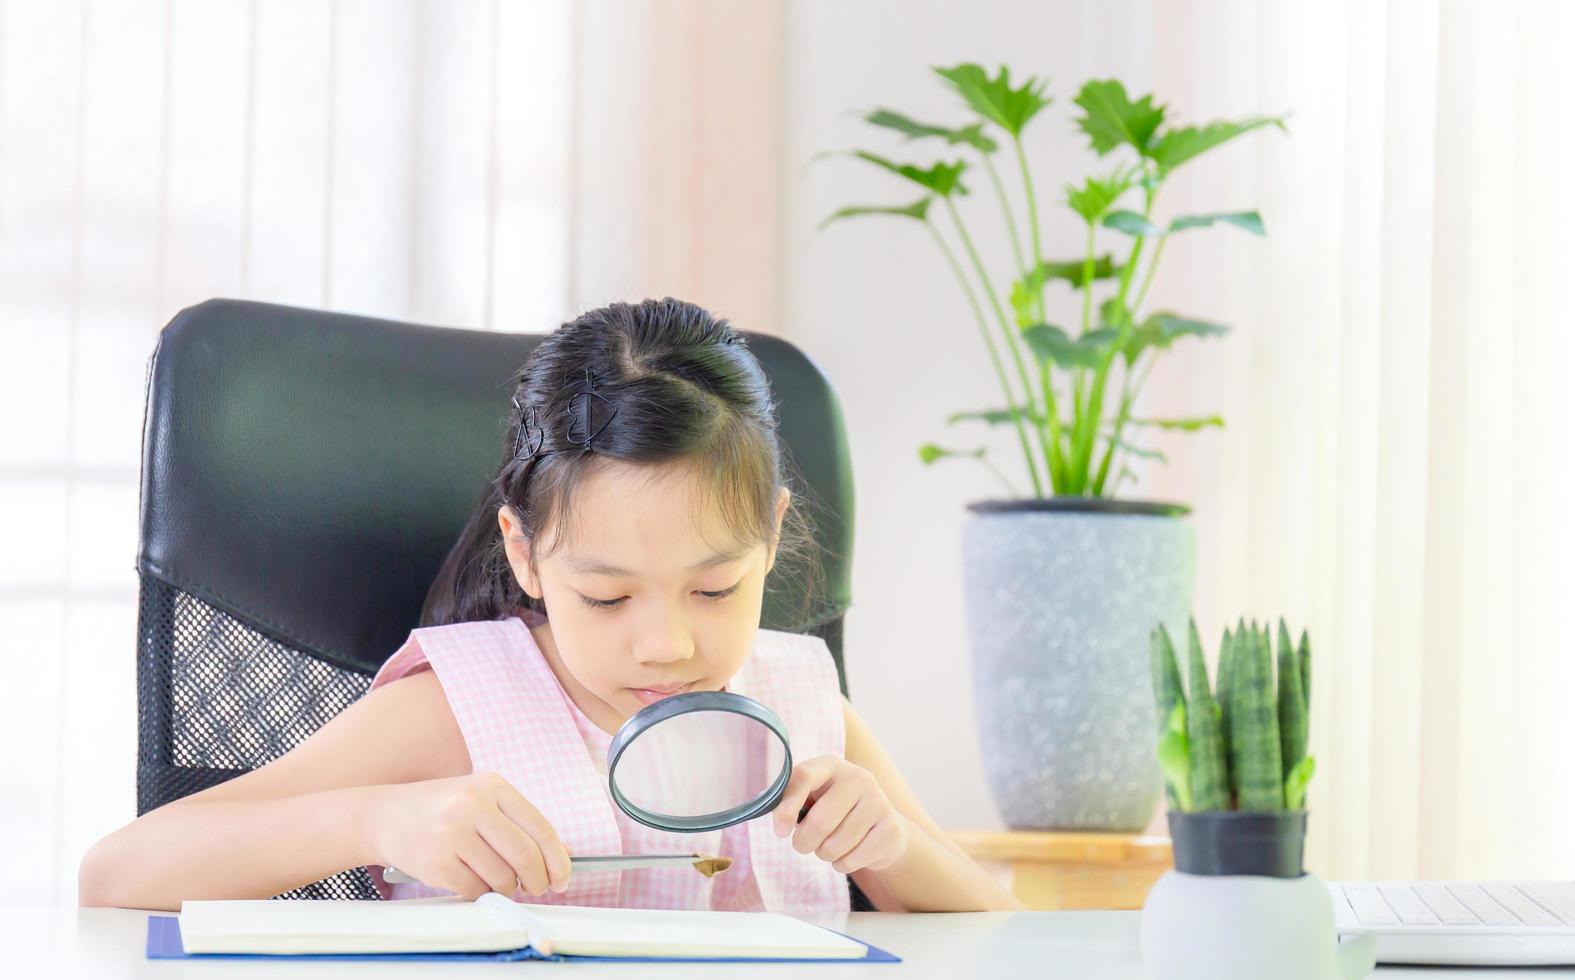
(850, 822)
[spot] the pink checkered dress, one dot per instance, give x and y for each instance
(517, 721)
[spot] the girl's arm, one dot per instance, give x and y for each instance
(865, 820)
(297, 819)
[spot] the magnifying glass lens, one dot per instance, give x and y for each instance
(692, 770)
(699, 763)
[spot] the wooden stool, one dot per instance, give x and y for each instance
(1069, 870)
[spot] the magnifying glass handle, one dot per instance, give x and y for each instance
(597, 862)
(633, 862)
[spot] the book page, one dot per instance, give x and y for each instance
(495, 923)
(343, 926)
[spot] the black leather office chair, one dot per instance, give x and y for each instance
(303, 476)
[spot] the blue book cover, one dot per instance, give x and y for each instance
(164, 943)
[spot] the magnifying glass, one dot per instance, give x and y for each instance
(688, 764)
(699, 761)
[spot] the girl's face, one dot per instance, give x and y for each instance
(643, 604)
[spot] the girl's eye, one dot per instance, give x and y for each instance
(614, 603)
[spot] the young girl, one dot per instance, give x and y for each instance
(619, 557)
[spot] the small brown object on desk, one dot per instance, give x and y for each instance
(1059, 870)
(713, 866)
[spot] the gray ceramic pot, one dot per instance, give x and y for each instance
(1061, 595)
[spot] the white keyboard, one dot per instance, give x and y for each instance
(1462, 922)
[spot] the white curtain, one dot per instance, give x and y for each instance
(491, 164)
(1396, 468)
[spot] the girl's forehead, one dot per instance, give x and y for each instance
(645, 518)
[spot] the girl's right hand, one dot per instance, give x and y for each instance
(469, 834)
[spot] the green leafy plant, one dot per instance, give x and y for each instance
(1055, 382)
(1241, 745)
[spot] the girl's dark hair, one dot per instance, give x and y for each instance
(681, 387)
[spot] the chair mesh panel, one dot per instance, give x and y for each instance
(217, 699)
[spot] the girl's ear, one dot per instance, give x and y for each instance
(784, 498)
(517, 547)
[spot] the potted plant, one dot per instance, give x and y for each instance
(1061, 581)
(1239, 904)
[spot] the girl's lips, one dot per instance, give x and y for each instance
(647, 695)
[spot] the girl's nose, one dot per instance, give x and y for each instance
(668, 640)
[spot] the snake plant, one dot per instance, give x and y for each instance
(1242, 744)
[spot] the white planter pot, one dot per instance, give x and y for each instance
(1239, 906)
(1244, 927)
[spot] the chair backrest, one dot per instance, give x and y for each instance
(304, 474)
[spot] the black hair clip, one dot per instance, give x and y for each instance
(582, 430)
(531, 436)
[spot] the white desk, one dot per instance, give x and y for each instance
(107, 944)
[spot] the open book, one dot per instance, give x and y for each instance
(492, 924)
